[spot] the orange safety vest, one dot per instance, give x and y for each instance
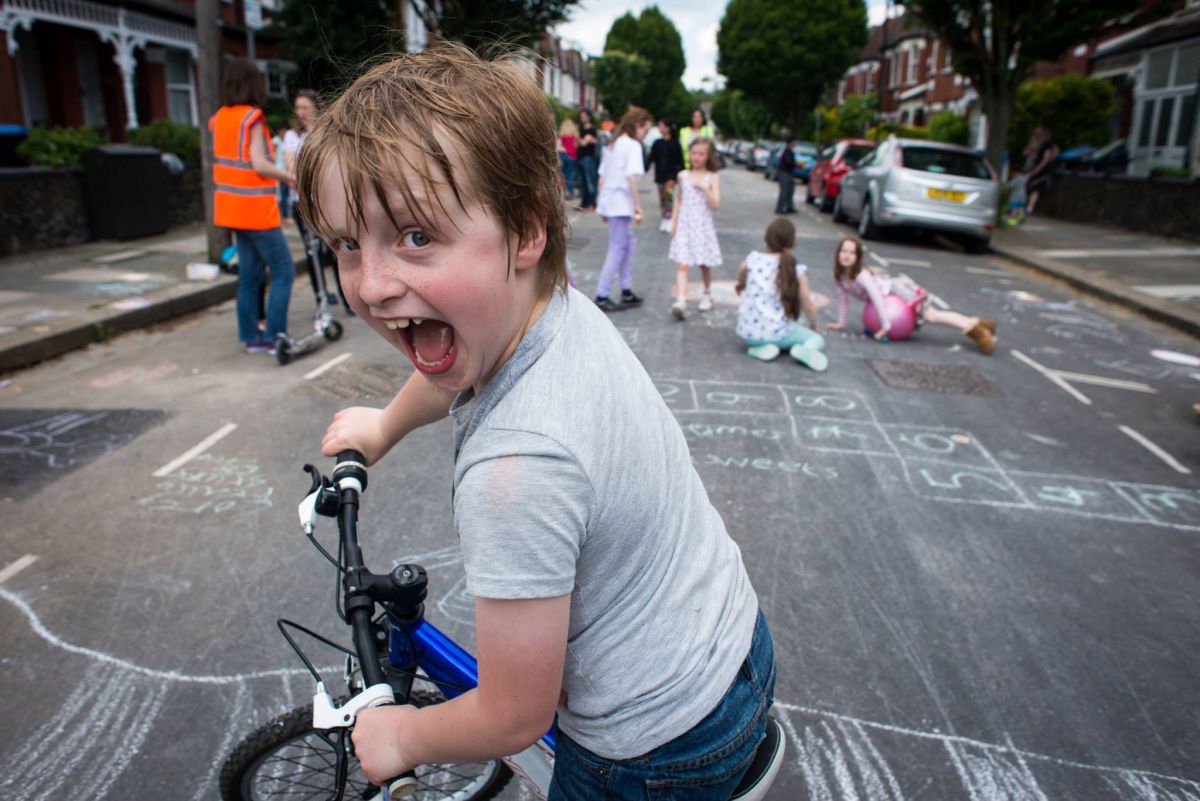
(243, 199)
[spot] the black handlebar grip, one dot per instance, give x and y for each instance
(351, 456)
(351, 464)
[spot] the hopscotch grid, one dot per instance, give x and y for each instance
(1120, 488)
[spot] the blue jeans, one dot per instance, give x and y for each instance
(587, 181)
(796, 335)
(703, 764)
(258, 250)
(568, 166)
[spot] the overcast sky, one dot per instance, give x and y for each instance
(697, 21)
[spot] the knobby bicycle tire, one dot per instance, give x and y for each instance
(287, 759)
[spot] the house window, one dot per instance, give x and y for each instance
(933, 59)
(181, 97)
(1158, 69)
(913, 62)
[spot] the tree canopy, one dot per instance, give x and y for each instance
(786, 53)
(479, 23)
(643, 64)
(995, 44)
(331, 45)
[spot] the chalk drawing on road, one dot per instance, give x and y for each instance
(1066, 380)
(630, 335)
(789, 429)
(138, 374)
(211, 484)
(104, 723)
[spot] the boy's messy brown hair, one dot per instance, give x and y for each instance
(480, 127)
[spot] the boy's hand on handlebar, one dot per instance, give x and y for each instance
(358, 428)
(376, 739)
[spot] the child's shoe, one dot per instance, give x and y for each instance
(982, 337)
(764, 353)
(258, 346)
(679, 309)
(990, 325)
(665, 225)
(706, 302)
(606, 305)
(813, 359)
(629, 299)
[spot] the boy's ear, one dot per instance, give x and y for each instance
(530, 250)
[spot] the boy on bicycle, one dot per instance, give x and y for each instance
(607, 590)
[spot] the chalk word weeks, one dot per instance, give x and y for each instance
(211, 484)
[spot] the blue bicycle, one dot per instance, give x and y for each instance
(306, 753)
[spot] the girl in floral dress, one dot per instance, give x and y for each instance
(693, 234)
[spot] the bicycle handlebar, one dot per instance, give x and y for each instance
(350, 476)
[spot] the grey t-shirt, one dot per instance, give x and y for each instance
(572, 476)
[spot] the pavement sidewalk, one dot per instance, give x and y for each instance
(1156, 276)
(57, 300)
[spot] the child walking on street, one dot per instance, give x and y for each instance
(774, 290)
(853, 277)
(620, 206)
(693, 233)
(435, 177)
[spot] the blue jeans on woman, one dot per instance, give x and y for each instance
(587, 181)
(569, 169)
(703, 764)
(257, 251)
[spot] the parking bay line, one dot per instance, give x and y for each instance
(329, 365)
(1157, 451)
(15, 567)
(205, 444)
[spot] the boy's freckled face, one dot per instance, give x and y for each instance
(473, 310)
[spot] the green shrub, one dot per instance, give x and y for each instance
(902, 131)
(1170, 171)
(947, 126)
(170, 137)
(1082, 111)
(560, 111)
(59, 147)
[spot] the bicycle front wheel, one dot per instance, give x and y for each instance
(288, 759)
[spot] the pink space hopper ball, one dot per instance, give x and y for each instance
(900, 313)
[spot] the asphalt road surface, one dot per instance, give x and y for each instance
(982, 573)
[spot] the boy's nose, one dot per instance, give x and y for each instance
(380, 280)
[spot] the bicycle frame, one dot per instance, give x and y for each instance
(455, 671)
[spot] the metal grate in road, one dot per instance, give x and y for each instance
(357, 381)
(949, 379)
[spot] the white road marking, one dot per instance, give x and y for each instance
(1101, 381)
(1054, 377)
(327, 366)
(1157, 451)
(1174, 357)
(985, 271)
(207, 443)
(15, 567)
(1121, 253)
(1174, 291)
(882, 261)
(124, 255)
(908, 262)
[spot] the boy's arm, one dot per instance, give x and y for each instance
(522, 646)
(373, 432)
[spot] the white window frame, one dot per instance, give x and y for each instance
(1145, 157)
(912, 71)
(190, 86)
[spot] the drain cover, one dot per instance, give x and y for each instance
(358, 382)
(951, 379)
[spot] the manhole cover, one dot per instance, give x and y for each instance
(951, 379)
(358, 382)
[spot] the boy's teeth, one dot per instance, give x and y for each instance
(395, 324)
(417, 321)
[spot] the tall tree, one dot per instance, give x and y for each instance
(332, 43)
(653, 38)
(618, 77)
(785, 53)
(995, 44)
(479, 23)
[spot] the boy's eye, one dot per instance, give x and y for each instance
(415, 239)
(343, 244)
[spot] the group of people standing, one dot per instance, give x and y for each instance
(577, 156)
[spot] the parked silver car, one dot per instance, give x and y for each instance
(916, 184)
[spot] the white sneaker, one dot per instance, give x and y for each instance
(706, 302)
(664, 226)
(679, 308)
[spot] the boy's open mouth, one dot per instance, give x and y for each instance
(431, 343)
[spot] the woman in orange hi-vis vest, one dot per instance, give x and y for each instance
(245, 200)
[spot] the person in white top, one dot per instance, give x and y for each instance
(317, 256)
(774, 291)
(620, 206)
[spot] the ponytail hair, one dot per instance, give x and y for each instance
(841, 273)
(780, 239)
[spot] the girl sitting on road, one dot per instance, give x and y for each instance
(853, 277)
(774, 290)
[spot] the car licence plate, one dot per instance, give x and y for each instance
(946, 194)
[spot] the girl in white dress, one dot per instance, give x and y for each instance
(693, 234)
(774, 291)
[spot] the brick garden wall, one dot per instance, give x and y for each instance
(1160, 206)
